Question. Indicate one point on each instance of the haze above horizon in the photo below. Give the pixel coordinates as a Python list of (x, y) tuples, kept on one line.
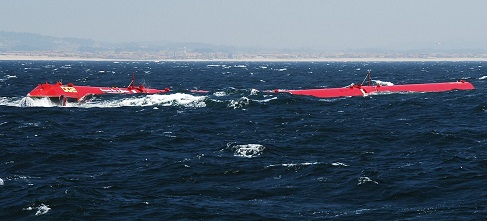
[(311, 24)]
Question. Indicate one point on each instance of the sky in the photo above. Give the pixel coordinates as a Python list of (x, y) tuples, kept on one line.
[(280, 24)]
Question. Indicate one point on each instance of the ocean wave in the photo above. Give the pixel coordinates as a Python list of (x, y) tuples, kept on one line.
[(345, 158)]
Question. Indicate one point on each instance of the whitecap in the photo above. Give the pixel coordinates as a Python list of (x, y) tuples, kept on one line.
[(248, 150), (299, 164), (42, 209), (362, 180), (294, 164), (483, 78), (339, 164), (265, 100), (1, 182)]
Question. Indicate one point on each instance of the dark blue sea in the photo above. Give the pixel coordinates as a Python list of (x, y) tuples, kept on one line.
[(239, 152)]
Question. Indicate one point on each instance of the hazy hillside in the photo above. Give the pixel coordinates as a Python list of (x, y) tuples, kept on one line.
[(12, 41)]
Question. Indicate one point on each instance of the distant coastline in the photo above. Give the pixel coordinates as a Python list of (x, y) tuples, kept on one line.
[(11, 57), (28, 46)]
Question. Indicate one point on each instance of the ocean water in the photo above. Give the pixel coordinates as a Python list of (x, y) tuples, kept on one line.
[(238, 152)]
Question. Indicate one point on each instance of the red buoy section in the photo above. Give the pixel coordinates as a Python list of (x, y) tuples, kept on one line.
[(360, 90), (80, 93)]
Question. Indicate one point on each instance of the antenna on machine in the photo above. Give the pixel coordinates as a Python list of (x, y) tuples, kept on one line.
[(132, 83), (367, 77)]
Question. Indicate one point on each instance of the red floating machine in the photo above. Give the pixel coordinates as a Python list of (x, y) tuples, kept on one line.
[(59, 93), (364, 90)]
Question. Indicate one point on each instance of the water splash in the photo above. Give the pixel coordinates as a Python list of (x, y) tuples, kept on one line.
[(37, 102), (254, 92), (383, 83), (240, 103), (41, 209), (177, 99)]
